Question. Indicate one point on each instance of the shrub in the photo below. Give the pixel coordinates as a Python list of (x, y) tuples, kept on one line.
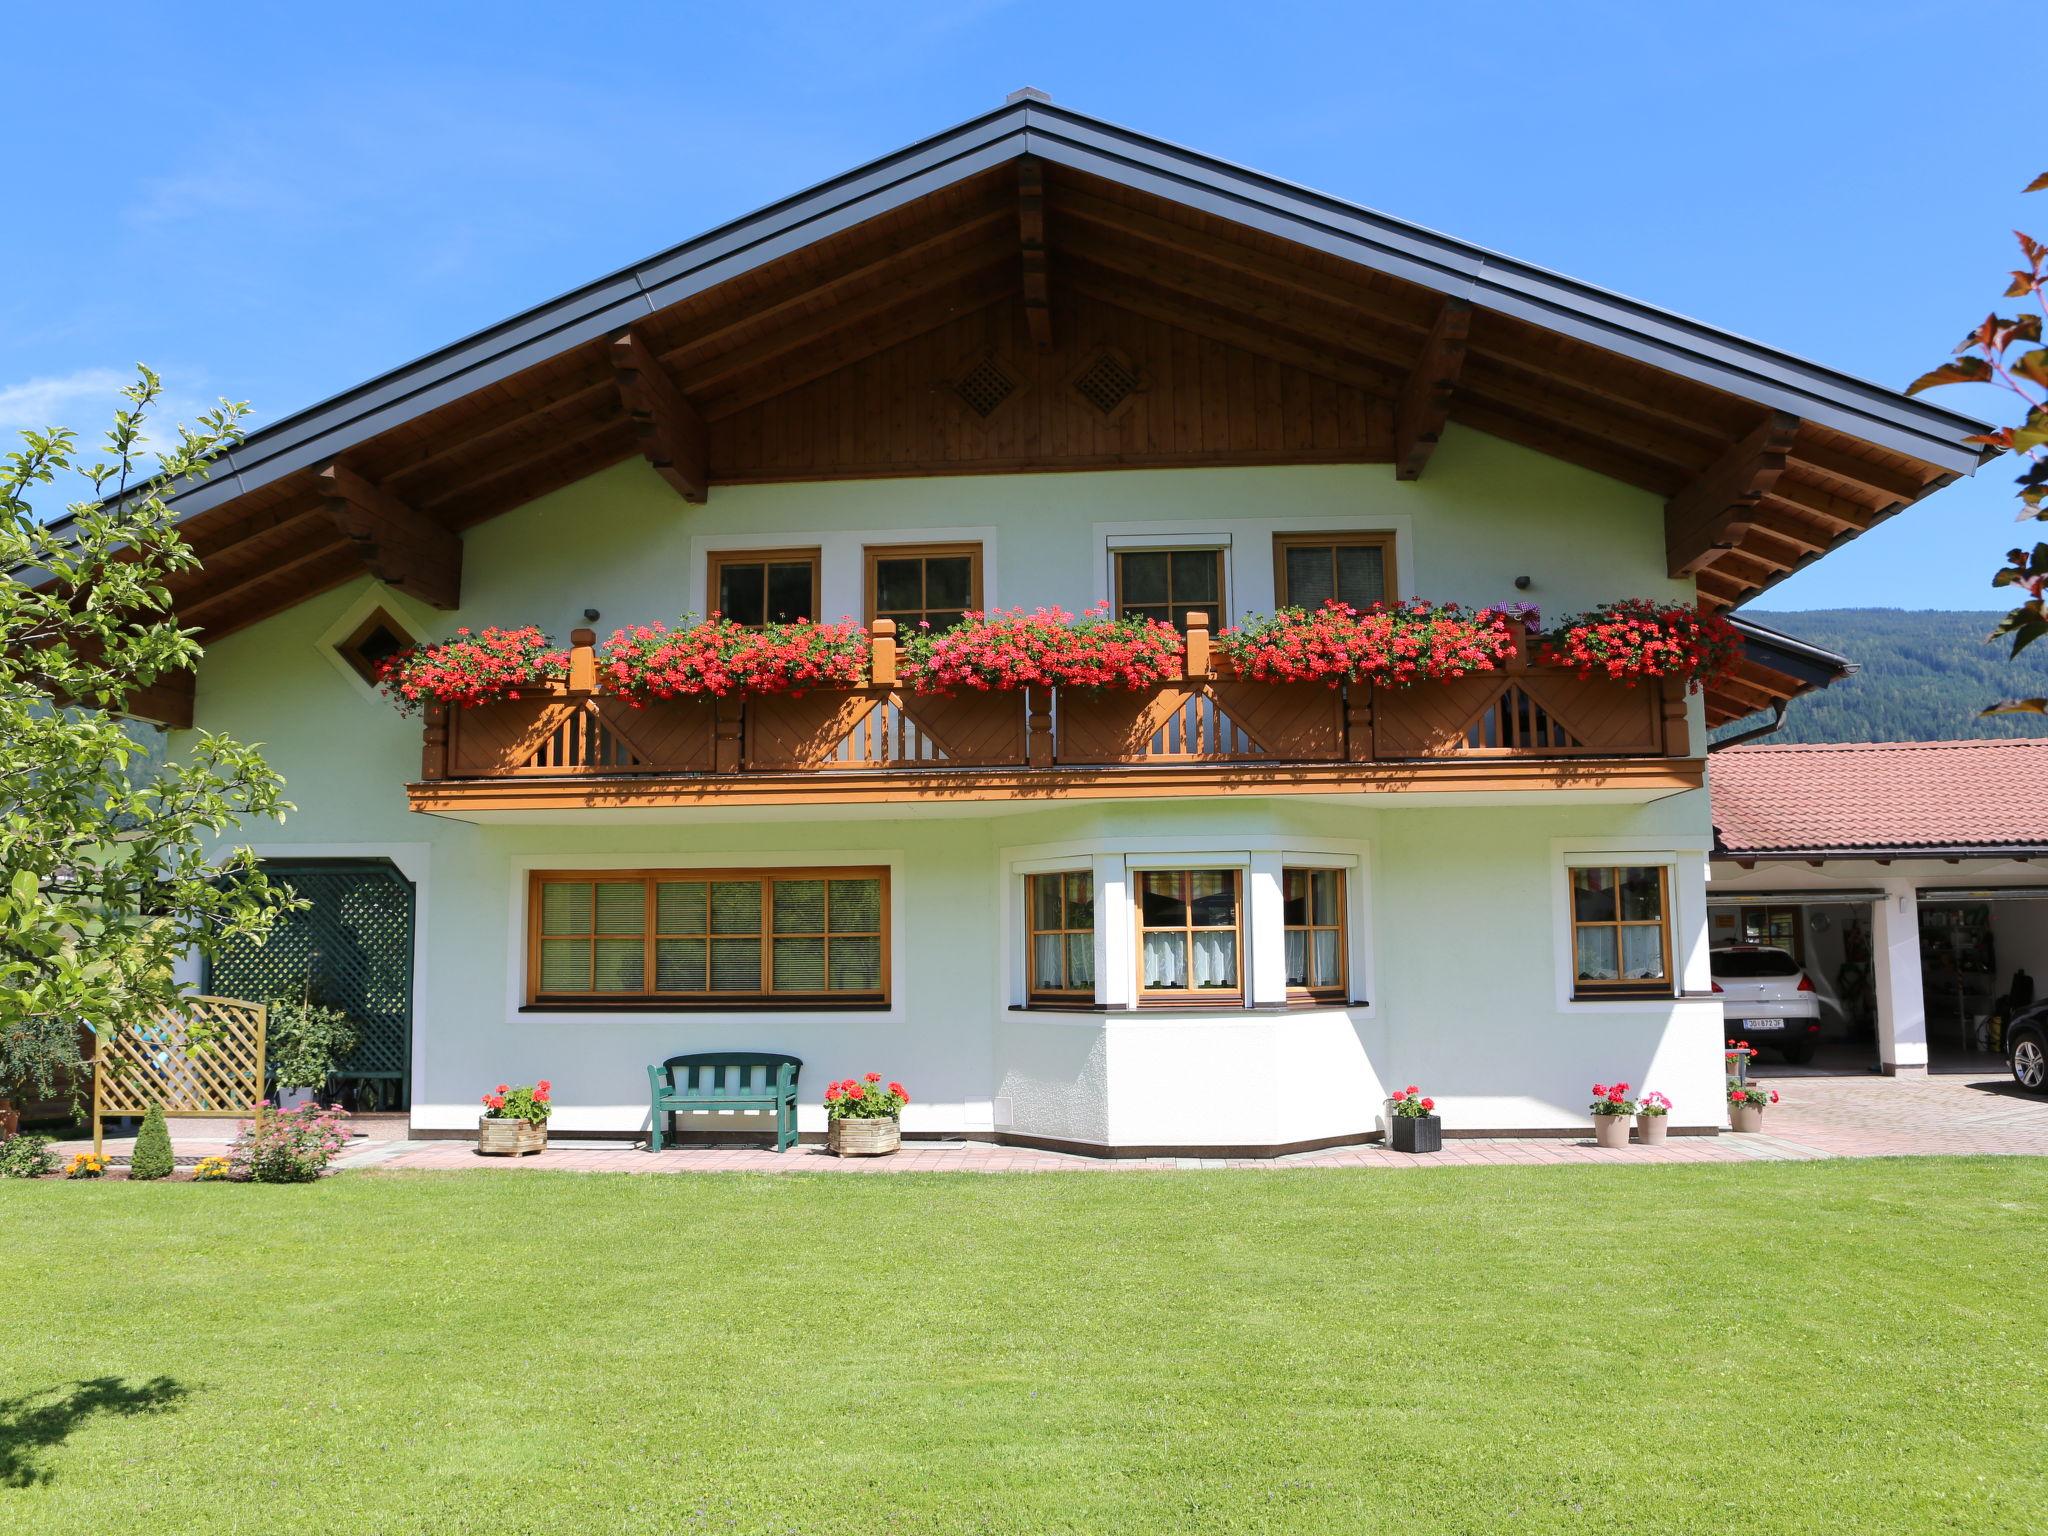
[(1409, 1104), (865, 1098), (152, 1157), (1636, 638), (289, 1146), (1009, 649), (26, 1157), (1389, 647), (305, 1041), (86, 1165), (472, 669), (719, 657), (521, 1103), (1612, 1099)]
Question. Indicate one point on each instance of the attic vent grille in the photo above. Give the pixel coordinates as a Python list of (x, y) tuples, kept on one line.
[(1106, 383), (984, 388)]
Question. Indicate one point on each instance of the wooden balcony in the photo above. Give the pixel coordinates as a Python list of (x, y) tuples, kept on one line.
[(1209, 732)]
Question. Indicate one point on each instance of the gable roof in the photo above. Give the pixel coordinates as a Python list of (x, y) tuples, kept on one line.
[(1907, 797), (1767, 461)]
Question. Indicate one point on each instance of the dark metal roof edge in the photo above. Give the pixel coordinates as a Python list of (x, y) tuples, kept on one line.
[(1793, 657), (1660, 338)]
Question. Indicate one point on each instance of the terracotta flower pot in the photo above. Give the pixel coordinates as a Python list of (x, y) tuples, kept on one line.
[(1611, 1130), (497, 1136), (1651, 1129), (1746, 1118), (850, 1136), (1418, 1133)]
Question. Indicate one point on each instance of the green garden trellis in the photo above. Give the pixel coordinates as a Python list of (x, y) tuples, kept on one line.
[(351, 948)]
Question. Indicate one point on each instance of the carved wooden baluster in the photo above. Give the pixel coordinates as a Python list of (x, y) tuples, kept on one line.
[(726, 733), (1358, 722), (434, 750), (1038, 750), (1677, 729)]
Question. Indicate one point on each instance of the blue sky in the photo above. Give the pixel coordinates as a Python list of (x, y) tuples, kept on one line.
[(278, 208)]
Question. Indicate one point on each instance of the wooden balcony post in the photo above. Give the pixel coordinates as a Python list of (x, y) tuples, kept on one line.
[(882, 655), (1677, 730), (582, 661), (726, 734), (1038, 727), (434, 747), (1518, 638), (1358, 722), (1197, 666)]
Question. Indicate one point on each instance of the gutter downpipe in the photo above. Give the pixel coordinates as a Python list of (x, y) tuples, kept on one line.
[(1775, 722)]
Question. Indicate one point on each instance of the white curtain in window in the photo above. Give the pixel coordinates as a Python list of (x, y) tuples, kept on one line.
[(1215, 960), (1045, 960), (1165, 960), (1297, 958)]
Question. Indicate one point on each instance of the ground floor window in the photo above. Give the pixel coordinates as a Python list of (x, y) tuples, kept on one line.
[(1189, 934), (1621, 931), (711, 938), (1314, 905), (1060, 912)]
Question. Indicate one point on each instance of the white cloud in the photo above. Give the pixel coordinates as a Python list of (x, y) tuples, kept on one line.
[(78, 399)]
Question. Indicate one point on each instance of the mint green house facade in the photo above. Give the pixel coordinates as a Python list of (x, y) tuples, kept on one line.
[(1039, 361)]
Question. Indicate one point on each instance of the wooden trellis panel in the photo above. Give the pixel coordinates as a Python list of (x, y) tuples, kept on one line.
[(1197, 722), (204, 1058), (1522, 714), (553, 736)]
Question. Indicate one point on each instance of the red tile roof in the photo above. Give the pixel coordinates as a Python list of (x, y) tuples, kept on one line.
[(1908, 795)]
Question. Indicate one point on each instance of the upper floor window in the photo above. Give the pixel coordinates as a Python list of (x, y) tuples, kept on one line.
[(1189, 934), (709, 938), (1169, 584), (931, 584), (1621, 931), (775, 586), (1060, 935), (1313, 906), (373, 642), (1311, 569)]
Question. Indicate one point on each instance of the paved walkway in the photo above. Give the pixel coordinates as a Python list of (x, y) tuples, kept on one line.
[(1818, 1117)]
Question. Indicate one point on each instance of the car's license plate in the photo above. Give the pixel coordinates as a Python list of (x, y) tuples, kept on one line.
[(1756, 1025)]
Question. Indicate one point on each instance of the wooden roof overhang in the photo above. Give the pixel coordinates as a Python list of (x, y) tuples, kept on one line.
[(1775, 669), (712, 359)]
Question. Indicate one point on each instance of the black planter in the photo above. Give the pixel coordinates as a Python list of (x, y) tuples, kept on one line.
[(1418, 1133)]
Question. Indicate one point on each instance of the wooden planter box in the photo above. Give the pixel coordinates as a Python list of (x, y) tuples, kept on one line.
[(852, 1137), (497, 1136), (1611, 1130), (1418, 1133)]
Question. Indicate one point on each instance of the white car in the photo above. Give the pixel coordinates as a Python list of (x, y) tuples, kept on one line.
[(1767, 1000)]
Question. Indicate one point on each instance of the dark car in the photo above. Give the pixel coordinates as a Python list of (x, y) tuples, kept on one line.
[(2026, 1047)]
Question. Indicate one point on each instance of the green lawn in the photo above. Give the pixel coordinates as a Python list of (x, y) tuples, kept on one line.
[(1843, 1347)]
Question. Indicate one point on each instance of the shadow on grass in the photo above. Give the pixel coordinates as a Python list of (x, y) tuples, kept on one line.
[(37, 1422)]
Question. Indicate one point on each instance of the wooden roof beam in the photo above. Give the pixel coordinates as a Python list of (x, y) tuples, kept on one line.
[(1710, 516), (670, 431), (1426, 397), (396, 543), (166, 702), (1031, 241), (1888, 485)]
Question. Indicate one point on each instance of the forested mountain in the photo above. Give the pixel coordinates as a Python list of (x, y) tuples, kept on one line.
[(1925, 674)]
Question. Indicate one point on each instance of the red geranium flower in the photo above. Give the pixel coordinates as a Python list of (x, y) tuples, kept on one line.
[(874, 1077)]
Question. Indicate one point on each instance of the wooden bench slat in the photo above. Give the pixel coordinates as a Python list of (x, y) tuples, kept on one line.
[(725, 1080)]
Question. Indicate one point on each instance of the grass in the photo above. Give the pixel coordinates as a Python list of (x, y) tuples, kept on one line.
[(1824, 1347)]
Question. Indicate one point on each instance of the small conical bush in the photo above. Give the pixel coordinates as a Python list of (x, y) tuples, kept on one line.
[(152, 1156)]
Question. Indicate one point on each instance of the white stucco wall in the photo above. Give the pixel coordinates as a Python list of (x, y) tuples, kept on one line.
[(1465, 908)]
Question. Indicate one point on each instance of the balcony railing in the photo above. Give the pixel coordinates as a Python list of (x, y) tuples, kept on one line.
[(1205, 720)]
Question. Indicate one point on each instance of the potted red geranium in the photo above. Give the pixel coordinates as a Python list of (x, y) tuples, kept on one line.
[(472, 669), (1009, 649), (715, 656), (1416, 1125), (1636, 639), (1612, 1110), (515, 1120), (1746, 1105), (863, 1116)]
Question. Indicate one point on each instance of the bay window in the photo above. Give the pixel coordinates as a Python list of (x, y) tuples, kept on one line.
[(1189, 934), (1060, 917)]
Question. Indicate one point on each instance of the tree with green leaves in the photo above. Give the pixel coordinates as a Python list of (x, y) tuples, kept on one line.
[(2007, 351), (109, 874)]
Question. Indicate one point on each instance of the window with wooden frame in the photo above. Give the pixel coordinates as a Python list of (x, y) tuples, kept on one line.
[(373, 642), (1190, 935), (1621, 931), (709, 938), (917, 584), (1169, 584), (1311, 569), (764, 586), (1313, 906), (1059, 919)]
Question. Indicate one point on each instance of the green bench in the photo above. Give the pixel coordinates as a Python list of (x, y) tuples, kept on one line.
[(725, 1080)]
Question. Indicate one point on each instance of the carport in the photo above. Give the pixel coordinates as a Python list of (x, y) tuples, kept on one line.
[(1903, 876)]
